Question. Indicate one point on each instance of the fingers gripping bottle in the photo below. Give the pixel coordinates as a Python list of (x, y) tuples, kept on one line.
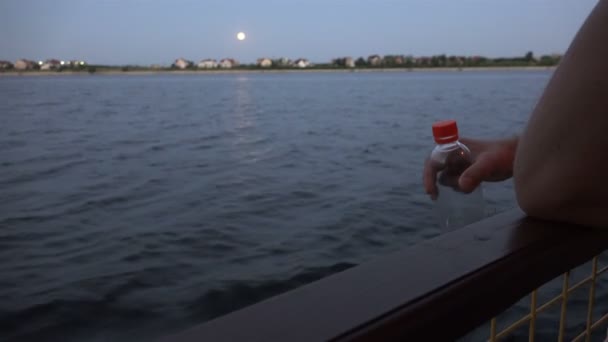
[(450, 158)]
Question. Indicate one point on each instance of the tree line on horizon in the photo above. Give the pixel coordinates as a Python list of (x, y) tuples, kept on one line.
[(452, 61)]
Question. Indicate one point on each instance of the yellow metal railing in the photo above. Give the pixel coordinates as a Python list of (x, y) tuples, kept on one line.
[(535, 309)]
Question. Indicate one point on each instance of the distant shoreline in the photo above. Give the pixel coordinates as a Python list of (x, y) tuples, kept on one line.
[(268, 71)]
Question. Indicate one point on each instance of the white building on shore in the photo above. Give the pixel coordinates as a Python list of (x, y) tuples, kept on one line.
[(23, 64), (182, 63), (302, 63), (207, 64), (228, 63), (265, 62), (349, 62), (51, 64)]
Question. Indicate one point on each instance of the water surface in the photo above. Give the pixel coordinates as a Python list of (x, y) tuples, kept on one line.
[(134, 206)]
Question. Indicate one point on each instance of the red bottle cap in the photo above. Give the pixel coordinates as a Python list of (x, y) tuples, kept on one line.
[(445, 131)]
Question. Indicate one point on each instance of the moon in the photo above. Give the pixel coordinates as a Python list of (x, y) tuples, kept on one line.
[(241, 36)]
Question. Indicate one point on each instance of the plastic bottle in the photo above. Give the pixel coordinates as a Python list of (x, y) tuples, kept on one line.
[(456, 209)]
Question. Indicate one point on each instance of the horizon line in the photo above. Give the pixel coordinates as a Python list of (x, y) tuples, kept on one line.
[(407, 56)]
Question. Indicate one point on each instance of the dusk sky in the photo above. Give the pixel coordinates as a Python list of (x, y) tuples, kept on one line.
[(158, 31)]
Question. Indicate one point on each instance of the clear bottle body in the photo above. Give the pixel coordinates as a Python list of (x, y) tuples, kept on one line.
[(455, 208)]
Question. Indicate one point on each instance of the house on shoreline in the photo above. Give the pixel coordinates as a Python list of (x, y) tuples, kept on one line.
[(302, 63), (76, 63), (228, 63), (374, 60), (51, 64), (182, 63), (264, 62), (349, 62), (283, 62), (207, 64), (24, 64)]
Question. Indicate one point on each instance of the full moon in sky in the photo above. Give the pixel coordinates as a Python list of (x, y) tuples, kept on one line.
[(241, 36)]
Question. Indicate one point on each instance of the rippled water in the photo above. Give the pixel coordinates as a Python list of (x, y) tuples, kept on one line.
[(133, 206)]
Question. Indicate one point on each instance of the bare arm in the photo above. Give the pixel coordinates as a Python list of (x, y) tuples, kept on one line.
[(561, 162)]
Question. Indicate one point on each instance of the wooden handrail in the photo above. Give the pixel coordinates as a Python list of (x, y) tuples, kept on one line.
[(439, 289)]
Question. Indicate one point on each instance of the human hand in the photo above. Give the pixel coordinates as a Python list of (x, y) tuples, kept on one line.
[(492, 162)]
